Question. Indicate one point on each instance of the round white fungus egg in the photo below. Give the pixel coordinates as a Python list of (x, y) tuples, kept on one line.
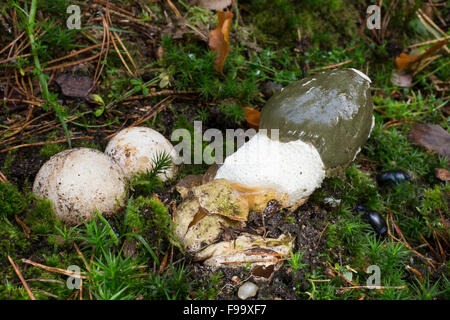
[(78, 181), (135, 150)]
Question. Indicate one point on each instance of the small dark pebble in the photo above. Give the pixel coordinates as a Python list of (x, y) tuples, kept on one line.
[(393, 177)]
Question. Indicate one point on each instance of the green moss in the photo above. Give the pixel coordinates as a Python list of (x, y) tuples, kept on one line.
[(347, 232), (392, 150), (150, 218), (327, 23), (10, 157), (50, 149), (133, 217), (436, 198), (361, 189), (11, 200), (12, 239), (41, 218), (207, 288), (91, 145), (192, 68)]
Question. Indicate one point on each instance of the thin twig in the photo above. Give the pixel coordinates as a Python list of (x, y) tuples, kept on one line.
[(56, 270), (372, 287), (332, 66), (19, 274), (42, 143)]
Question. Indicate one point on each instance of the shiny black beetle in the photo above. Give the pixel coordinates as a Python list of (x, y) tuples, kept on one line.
[(375, 219)]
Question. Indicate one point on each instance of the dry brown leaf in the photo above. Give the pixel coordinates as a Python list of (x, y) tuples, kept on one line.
[(404, 60), (219, 39), (442, 174), (74, 86), (214, 4), (410, 63), (252, 116), (432, 137)]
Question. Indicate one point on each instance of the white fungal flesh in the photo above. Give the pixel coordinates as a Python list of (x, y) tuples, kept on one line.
[(135, 150), (292, 167), (78, 181), (247, 290), (362, 75)]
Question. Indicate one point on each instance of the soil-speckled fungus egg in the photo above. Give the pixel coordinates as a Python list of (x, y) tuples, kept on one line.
[(136, 148), (321, 123), (78, 181)]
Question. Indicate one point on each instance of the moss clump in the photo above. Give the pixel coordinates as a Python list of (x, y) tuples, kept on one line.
[(362, 190), (50, 149), (391, 148), (326, 23), (347, 232), (11, 200), (41, 218), (38, 213), (192, 68), (12, 239), (435, 199), (151, 219), (10, 157)]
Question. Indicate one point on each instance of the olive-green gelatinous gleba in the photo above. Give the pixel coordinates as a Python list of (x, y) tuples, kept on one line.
[(331, 110)]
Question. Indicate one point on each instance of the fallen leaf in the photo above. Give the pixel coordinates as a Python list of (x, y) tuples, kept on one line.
[(432, 137), (263, 256), (74, 86), (219, 39), (214, 4), (410, 63), (252, 116), (403, 61), (442, 174)]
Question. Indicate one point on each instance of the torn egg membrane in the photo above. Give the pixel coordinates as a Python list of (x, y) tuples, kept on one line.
[(208, 208), (264, 255)]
